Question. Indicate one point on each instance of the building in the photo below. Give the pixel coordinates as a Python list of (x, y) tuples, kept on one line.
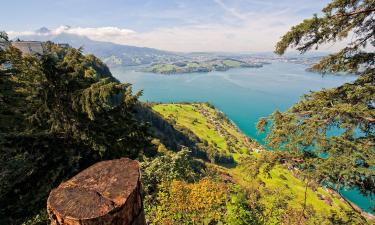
[(29, 47), (26, 47)]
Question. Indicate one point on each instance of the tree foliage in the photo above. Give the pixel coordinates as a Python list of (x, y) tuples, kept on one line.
[(59, 113), (168, 167), (340, 19), (4, 36), (332, 131)]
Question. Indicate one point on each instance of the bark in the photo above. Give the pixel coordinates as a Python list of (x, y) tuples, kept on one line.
[(108, 192)]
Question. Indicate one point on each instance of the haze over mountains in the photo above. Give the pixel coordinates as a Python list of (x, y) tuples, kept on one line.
[(126, 55), (111, 53)]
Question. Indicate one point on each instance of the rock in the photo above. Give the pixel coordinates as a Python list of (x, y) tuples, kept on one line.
[(108, 192)]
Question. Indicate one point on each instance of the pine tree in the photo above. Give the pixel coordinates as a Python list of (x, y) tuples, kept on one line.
[(59, 113), (330, 133)]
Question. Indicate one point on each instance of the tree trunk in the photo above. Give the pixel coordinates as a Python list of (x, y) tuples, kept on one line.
[(108, 192)]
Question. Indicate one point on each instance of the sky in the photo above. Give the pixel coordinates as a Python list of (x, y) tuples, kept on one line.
[(180, 25)]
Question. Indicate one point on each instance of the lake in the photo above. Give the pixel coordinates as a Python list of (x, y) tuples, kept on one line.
[(244, 94)]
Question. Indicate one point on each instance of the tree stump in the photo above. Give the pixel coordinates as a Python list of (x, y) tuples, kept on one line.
[(108, 192)]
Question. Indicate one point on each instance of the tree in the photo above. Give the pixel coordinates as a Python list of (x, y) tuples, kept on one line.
[(330, 133), (59, 113), (4, 36)]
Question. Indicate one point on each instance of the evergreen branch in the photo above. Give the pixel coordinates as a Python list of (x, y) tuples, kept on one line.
[(355, 12)]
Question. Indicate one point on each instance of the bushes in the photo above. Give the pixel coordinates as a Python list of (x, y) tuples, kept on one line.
[(168, 167), (207, 201), (215, 156), (183, 203), (238, 212)]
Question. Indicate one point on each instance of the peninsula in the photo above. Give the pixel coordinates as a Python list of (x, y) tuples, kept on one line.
[(200, 66)]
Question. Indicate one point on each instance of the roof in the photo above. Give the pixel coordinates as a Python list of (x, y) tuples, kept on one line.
[(29, 47)]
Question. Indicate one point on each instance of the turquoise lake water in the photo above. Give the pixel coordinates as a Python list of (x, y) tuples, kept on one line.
[(244, 94)]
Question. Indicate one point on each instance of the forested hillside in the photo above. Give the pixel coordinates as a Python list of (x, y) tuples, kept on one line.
[(59, 113)]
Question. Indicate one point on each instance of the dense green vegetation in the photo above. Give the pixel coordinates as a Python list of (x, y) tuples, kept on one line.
[(59, 113), (331, 132), (256, 188), (193, 67), (63, 111), (211, 127)]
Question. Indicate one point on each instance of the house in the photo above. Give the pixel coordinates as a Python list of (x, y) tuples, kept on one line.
[(29, 47)]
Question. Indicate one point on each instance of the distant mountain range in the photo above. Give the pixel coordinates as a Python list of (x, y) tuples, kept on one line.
[(111, 53), (124, 55)]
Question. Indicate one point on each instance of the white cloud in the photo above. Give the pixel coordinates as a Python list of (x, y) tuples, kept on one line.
[(209, 37), (254, 33), (97, 33), (216, 25), (237, 31), (14, 34)]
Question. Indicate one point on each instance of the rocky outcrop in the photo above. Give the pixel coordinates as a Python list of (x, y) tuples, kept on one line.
[(108, 192)]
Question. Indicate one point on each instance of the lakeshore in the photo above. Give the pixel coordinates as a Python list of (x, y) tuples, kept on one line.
[(243, 94)]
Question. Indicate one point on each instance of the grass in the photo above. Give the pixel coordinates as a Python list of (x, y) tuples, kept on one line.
[(206, 127), (232, 63), (188, 116), (167, 68), (296, 187), (193, 65), (203, 122), (163, 68)]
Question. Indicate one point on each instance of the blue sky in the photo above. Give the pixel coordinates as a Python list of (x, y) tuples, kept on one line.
[(181, 25)]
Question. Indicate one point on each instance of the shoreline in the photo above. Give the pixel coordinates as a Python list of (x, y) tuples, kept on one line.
[(369, 216)]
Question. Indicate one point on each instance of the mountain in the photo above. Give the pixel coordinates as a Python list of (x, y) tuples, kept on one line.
[(112, 54), (43, 30), (115, 54)]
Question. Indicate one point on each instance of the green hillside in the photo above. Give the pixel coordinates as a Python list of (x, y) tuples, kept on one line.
[(194, 67), (278, 192), (209, 125)]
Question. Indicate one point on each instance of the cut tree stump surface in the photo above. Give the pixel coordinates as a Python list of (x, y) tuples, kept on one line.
[(108, 192)]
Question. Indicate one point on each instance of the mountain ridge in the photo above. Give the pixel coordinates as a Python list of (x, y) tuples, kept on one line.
[(111, 53)]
